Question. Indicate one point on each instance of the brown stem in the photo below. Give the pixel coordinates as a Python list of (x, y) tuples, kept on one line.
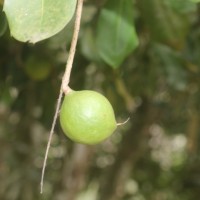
[(122, 90), (74, 172), (66, 77), (193, 128), (65, 81)]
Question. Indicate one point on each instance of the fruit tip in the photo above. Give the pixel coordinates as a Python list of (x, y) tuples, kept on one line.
[(122, 123)]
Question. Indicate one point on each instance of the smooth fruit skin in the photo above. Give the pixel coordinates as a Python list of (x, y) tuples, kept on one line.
[(87, 117)]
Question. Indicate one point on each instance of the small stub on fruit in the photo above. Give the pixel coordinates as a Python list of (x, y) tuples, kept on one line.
[(122, 123)]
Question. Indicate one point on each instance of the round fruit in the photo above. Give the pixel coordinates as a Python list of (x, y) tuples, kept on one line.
[(37, 69), (87, 117)]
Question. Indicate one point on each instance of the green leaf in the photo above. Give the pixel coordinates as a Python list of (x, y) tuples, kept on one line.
[(196, 1), (172, 64), (165, 23), (88, 45), (36, 20), (182, 7), (116, 36)]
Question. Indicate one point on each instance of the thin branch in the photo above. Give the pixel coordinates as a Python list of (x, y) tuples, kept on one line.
[(50, 138), (66, 77), (65, 82)]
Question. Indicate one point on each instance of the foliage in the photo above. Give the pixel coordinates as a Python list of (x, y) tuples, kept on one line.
[(37, 20), (117, 41), (155, 155)]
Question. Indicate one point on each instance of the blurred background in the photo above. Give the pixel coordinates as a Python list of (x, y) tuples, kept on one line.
[(155, 156)]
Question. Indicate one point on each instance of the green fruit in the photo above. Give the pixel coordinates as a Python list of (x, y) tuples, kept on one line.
[(87, 117), (37, 69)]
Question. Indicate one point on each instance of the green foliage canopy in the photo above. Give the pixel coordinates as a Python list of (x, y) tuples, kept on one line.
[(155, 155)]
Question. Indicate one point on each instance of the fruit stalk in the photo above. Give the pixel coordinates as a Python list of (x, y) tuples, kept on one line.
[(65, 81), (66, 77)]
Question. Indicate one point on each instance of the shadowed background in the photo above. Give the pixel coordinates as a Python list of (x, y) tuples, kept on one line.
[(155, 156)]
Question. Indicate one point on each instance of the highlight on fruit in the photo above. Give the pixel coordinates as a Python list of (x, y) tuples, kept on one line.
[(87, 117)]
